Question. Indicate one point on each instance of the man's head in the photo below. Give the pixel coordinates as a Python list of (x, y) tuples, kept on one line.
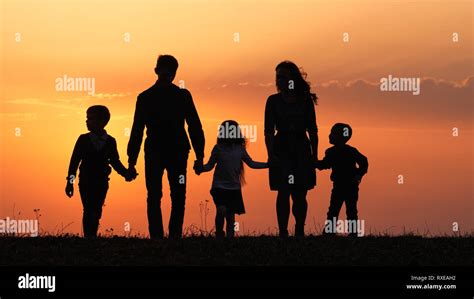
[(166, 67), (340, 134), (97, 118)]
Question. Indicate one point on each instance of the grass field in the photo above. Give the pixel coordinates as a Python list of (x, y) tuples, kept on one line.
[(247, 251)]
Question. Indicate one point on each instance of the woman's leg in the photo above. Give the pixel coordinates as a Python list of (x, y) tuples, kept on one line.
[(283, 211), (220, 215), (300, 208)]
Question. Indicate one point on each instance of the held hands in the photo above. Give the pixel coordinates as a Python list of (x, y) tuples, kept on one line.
[(318, 165), (198, 166), (131, 173)]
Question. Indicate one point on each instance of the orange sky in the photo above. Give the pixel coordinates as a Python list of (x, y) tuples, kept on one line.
[(400, 133)]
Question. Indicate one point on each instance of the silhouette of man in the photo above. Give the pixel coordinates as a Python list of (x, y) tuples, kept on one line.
[(163, 109)]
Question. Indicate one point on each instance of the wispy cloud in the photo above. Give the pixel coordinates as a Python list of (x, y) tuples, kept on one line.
[(27, 116), (40, 102), (111, 95)]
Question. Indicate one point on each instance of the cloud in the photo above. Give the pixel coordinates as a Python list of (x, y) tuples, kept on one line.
[(26, 116), (40, 102), (111, 95), (440, 102), (75, 104)]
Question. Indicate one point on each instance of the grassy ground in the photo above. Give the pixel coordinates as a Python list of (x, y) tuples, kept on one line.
[(248, 251)]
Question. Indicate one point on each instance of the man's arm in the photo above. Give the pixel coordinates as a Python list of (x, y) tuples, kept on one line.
[(194, 126), (136, 136)]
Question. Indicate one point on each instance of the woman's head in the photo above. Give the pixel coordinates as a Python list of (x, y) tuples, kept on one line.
[(289, 78)]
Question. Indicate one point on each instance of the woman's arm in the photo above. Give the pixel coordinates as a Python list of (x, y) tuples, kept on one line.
[(269, 125), (312, 129)]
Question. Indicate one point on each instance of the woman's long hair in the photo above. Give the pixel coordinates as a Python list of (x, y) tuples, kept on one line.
[(224, 139), (302, 87)]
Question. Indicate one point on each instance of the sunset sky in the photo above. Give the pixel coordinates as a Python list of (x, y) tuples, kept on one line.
[(117, 43)]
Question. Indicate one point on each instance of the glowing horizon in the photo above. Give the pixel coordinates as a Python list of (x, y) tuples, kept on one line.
[(117, 43)]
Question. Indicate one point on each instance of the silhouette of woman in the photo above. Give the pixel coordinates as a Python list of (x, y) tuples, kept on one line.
[(291, 114)]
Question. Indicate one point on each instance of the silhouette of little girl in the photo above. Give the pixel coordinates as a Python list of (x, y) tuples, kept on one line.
[(228, 154)]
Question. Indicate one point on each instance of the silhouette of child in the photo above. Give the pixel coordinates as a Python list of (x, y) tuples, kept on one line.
[(346, 176), (94, 152), (228, 154)]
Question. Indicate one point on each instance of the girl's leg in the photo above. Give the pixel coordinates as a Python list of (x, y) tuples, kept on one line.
[(220, 215), (283, 211), (300, 208), (230, 220)]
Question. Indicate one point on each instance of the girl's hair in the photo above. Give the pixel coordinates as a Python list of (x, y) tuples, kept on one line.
[(230, 134), (301, 86)]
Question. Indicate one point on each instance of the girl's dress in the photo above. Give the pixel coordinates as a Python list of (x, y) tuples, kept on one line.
[(226, 185)]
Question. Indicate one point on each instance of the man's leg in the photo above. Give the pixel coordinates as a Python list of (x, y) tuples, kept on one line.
[(176, 168), (153, 176)]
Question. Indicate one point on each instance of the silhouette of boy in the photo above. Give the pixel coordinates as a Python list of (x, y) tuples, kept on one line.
[(343, 159), (94, 152)]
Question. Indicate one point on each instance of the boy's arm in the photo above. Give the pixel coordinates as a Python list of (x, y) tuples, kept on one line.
[(363, 164), (76, 158), (114, 160), (325, 163), (251, 163)]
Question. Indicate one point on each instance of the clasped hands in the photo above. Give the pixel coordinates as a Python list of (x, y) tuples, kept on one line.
[(198, 166), (131, 173)]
